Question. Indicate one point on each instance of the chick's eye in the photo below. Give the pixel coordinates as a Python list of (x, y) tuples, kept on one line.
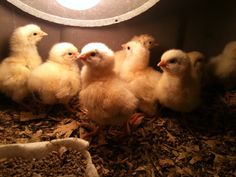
[(69, 53), (150, 42), (128, 48), (200, 60), (93, 54), (173, 61), (35, 34)]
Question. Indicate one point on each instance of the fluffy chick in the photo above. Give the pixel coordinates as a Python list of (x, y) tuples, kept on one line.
[(198, 62), (58, 79), (146, 40), (24, 57), (177, 88), (223, 66), (141, 78), (103, 94)]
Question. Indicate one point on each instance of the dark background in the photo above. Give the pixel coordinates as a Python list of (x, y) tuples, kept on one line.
[(203, 25)]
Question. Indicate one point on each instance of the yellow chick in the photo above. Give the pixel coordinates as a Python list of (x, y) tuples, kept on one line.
[(146, 40), (24, 57), (223, 66), (104, 95), (177, 88), (58, 79), (141, 78)]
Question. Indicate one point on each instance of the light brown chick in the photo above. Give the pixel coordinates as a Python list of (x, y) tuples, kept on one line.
[(177, 88), (58, 79), (104, 95), (146, 40), (24, 57), (198, 61), (141, 78), (223, 66)]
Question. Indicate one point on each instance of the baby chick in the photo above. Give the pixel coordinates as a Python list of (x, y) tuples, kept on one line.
[(24, 57), (198, 62), (103, 94), (146, 40), (177, 88), (223, 66), (141, 78), (58, 79)]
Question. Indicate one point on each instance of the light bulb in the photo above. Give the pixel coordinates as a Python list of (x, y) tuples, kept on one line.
[(78, 4)]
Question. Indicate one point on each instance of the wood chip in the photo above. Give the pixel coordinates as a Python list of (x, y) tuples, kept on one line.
[(166, 162), (195, 159), (66, 130), (27, 116)]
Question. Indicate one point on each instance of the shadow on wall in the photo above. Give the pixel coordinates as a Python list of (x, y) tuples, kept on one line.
[(209, 26)]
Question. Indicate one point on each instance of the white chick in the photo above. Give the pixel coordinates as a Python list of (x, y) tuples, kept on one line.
[(104, 95), (223, 66), (141, 78), (177, 88), (146, 40), (58, 79), (24, 57)]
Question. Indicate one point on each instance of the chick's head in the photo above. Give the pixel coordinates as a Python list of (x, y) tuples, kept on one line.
[(230, 50), (97, 56), (64, 53), (197, 59), (146, 40), (27, 35), (137, 54), (175, 62)]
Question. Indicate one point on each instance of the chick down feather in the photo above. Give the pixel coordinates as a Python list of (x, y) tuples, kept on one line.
[(141, 78), (104, 94), (146, 40), (178, 89), (223, 66), (24, 57), (58, 79)]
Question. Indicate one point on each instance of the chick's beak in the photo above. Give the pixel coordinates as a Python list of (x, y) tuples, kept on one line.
[(123, 46), (161, 64), (83, 56), (76, 54), (43, 33), (156, 44)]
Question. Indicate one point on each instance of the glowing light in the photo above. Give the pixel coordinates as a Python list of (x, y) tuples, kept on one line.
[(78, 4)]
